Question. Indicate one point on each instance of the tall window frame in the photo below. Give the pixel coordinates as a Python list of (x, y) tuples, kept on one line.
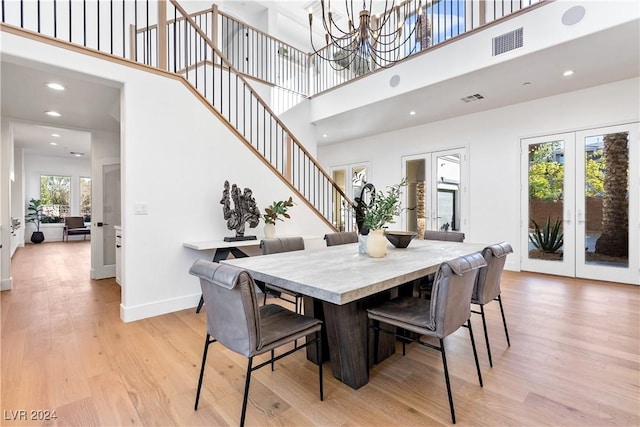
[(85, 198), (55, 194)]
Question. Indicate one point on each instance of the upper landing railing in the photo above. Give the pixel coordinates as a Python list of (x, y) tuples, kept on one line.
[(299, 74), (174, 42)]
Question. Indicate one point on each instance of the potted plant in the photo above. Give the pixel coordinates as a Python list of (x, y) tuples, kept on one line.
[(380, 213), (34, 215), (273, 213)]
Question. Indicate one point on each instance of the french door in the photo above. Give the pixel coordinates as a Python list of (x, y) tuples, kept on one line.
[(436, 193), (351, 179), (580, 204)]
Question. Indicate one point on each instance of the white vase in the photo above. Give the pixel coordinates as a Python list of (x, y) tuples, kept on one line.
[(376, 244), (269, 231)]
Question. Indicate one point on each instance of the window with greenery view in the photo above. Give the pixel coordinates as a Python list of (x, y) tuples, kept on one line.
[(85, 198), (55, 194)]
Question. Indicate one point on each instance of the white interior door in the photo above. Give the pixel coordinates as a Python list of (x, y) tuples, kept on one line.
[(106, 214)]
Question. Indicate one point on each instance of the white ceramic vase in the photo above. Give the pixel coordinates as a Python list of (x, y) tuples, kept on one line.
[(269, 231), (376, 244)]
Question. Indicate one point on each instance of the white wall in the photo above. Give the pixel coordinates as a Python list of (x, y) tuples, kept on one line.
[(37, 165), (175, 157), (17, 205), (6, 144), (492, 139)]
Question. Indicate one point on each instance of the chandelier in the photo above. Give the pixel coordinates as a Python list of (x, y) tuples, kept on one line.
[(371, 40)]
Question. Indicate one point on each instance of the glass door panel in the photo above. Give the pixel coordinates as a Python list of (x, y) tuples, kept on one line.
[(415, 212), (547, 205), (607, 204), (447, 180)]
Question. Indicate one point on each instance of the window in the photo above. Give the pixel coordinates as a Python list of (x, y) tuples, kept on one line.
[(85, 198), (55, 193)]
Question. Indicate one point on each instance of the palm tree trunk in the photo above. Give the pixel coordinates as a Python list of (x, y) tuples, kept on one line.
[(614, 240)]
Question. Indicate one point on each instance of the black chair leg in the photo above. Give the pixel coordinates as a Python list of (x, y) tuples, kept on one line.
[(200, 304), (475, 353), (204, 361), (319, 356), (273, 363), (446, 379), (504, 320), (246, 392), (486, 335)]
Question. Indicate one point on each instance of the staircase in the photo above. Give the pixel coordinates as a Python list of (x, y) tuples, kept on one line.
[(163, 35)]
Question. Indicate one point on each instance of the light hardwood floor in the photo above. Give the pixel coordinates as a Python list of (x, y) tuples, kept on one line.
[(574, 360)]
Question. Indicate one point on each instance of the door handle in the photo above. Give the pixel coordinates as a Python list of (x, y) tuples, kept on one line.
[(100, 224)]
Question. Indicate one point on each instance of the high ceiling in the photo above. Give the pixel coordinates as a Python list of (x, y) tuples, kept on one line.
[(89, 104)]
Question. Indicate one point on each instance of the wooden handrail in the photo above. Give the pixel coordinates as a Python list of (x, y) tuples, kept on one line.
[(259, 99)]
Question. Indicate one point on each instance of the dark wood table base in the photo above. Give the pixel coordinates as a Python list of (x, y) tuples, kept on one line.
[(346, 332)]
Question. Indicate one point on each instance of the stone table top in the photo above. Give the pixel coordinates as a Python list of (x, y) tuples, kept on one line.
[(340, 275)]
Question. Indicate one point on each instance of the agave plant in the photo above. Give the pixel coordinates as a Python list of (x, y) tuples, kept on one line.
[(548, 239)]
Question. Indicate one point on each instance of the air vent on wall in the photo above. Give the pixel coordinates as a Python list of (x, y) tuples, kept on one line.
[(508, 41), (471, 98)]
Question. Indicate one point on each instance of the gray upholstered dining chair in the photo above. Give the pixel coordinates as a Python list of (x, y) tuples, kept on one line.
[(438, 317), (425, 284), (235, 320), (274, 246), (341, 238), (449, 236), (487, 286)]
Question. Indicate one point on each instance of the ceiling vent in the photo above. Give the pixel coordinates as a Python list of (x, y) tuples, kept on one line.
[(508, 41), (472, 98)]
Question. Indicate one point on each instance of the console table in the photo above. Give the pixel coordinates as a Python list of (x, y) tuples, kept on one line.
[(222, 250)]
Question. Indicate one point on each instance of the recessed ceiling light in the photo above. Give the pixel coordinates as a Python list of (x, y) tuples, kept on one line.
[(568, 73), (412, 113), (55, 135), (53, 113), (526, 83), (53, 143), (55, 86), (324, 135), (77, 154)]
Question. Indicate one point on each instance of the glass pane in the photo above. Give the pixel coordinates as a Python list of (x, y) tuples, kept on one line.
[(448, 176), (546, 202), (55, 194), (339, 176), (85, 198), (111, 213), (416, 196), (607, 199)]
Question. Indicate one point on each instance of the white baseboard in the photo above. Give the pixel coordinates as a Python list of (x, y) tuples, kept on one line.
[(512, 265), (143, 311)]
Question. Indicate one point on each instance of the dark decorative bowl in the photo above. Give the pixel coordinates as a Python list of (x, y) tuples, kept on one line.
[(400, 239)]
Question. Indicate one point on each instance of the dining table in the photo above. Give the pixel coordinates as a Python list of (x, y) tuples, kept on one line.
[(340, 284)]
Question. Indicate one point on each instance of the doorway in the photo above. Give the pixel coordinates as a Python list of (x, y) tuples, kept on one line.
[(435, 195), (351, 180), (579, 206)]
